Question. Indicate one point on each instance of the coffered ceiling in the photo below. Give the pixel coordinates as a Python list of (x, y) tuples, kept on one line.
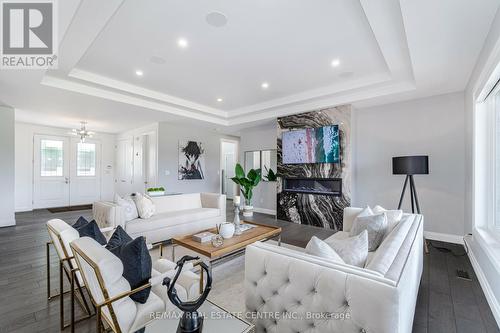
[(125, 63)]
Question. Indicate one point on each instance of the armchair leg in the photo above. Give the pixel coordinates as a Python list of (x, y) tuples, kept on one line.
[(61, 292), (72, 302), (47, 246), (98, 319)]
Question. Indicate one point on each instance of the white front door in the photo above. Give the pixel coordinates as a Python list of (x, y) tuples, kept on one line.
[(51, 171), (85, 171)]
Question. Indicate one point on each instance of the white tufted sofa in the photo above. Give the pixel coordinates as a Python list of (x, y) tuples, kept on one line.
[(289, 291)]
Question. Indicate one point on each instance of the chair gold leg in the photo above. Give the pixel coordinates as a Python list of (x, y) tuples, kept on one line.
[(61, 292), (72, 302), (98, 319), (48, 269)]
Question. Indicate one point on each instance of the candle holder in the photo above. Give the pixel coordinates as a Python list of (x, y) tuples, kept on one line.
[(236, 221)]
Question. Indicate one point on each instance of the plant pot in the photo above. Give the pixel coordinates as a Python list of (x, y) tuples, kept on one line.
[(226, 230), (156, 193), (248, 211)]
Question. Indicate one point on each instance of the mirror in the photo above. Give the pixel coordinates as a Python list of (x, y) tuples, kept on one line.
[(252, 160), (266, 160)]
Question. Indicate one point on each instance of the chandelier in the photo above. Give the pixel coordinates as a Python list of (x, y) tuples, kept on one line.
[(83, 133)]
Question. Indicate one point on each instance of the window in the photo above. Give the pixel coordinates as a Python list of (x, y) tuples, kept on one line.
[(52, 164), (85, 159)]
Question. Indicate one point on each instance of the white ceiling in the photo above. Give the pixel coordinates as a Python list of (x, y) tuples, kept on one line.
[(388, 50)]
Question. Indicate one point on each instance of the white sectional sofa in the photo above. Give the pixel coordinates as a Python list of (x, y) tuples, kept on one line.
[(379, 298), (176, 215)]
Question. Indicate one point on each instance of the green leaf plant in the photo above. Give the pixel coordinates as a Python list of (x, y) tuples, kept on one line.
[(246, 183)]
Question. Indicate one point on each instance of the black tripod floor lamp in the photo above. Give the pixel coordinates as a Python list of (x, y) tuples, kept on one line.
[(410, 166)]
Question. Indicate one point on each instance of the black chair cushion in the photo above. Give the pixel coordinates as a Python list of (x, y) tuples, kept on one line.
[(91, 229), (137, 265), (118, 238)]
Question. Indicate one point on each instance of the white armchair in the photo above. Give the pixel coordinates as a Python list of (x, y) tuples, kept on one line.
[(61, 235), (109, 290)]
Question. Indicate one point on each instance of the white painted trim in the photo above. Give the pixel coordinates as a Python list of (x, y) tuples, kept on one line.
[(448, 238), (24, 209), (488, 292), (10, 223), (264, 211)]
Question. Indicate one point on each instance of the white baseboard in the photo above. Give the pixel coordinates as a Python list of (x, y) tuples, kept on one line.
[(264, 211), (23, 209), (448, 238), (490, 296)]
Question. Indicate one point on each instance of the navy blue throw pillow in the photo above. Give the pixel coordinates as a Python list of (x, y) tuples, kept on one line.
[(80, 222), (91, 230), (137, 266), (118, 238)]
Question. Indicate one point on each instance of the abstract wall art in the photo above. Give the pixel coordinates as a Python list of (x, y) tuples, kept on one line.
[(191, 160)]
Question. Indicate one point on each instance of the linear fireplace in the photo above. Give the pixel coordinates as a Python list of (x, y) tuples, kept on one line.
[(321, 186)]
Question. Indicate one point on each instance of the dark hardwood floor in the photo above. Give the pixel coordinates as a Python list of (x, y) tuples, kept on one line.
[(445, 303)]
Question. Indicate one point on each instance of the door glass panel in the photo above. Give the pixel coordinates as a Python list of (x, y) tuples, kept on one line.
[(85, 159), (51, 152)]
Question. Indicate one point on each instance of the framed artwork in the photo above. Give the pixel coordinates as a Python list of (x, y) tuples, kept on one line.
[(191, 160)]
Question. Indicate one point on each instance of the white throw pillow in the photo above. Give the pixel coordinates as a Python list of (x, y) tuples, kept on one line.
[(145, 205), (393, 216), (353, 250), (365, 212), (317, 247), (129, 209), (375, 225)]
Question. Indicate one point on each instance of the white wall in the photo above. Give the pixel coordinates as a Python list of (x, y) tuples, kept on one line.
[(261, 138), (7, 166), (168, 158), (431, 126), (24, 162)]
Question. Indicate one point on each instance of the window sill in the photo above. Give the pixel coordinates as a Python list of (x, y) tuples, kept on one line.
[(490, 243)]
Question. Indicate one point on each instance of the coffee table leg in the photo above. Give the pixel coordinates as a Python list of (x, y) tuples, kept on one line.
[(202, 278), (279, 240), (173, 252)]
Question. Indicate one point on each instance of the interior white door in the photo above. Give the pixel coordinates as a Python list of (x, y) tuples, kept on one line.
[(124, 165), (51, 171), (85, 171), (230, 163)]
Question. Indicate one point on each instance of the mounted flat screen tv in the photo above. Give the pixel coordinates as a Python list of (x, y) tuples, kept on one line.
[(311, 145)]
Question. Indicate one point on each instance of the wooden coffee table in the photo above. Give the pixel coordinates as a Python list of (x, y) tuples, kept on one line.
[(231, 246)]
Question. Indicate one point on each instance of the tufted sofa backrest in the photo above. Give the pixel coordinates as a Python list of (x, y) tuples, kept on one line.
[(289, 291)]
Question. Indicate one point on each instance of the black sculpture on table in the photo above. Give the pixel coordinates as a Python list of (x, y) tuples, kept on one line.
[(191, 321)]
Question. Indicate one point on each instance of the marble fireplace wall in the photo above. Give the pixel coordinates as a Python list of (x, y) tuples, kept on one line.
[(312, 209)]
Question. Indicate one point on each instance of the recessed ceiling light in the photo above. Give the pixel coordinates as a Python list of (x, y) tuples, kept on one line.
[(157, 60), (139, 72), (216, 19), (182, 42), (264, 85), (335, 62), (219, 99)]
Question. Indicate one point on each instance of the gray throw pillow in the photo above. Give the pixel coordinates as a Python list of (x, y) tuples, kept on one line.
[(375, 225), (320, 248), (353, 250)]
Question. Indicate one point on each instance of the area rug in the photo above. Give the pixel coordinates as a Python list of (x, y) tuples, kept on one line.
[(228, 287)]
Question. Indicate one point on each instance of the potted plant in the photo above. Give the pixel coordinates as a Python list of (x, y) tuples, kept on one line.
[(156, 191), (271, 176), (247, 184)]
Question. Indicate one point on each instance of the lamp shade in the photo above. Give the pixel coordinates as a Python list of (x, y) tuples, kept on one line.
[(410, 165)]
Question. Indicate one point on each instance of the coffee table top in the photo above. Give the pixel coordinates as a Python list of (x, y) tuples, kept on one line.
[(216, 320), (236, 243)]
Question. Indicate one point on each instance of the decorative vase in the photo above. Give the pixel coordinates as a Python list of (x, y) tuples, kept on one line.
[(248, 211), (226, 230)]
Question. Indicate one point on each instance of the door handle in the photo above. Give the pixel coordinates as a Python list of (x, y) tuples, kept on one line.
[(66, 180)]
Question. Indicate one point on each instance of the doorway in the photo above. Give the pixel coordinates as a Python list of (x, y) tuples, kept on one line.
[(229, 158), (66, 172)]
